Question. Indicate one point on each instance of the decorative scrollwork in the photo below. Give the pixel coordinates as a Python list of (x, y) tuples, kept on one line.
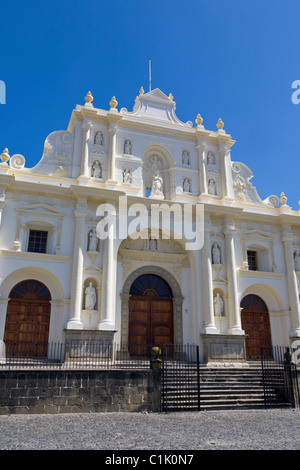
[(17, 162)]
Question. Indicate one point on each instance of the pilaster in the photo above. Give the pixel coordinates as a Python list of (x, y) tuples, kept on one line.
[(77, 268), (287, 240), (234, 317), (207, 285)]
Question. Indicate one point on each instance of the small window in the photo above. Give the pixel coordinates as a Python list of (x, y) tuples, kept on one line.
[(252, 260), (37, 241)]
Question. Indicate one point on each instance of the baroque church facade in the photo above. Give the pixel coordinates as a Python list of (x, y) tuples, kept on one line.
[(60, 280)]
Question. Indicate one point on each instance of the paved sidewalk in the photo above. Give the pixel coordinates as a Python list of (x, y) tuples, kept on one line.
[(231, 430)]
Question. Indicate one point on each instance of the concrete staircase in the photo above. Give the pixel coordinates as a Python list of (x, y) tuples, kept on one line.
[(221, 388)]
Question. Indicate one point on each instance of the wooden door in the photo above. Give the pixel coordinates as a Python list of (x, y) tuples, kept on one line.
[(150, 321), (256, 324), (28, 320)]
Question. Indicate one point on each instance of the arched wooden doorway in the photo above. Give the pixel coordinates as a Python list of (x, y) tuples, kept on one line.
[(256, 324), (150, 312), (28, 319)]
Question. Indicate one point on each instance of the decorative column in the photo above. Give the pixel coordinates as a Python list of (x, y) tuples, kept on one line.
[(77, 270), (225, 161), (207, 290), (86, 131), (112, 131), (292, 284), (201, 147), (234, 317), (108, 282)]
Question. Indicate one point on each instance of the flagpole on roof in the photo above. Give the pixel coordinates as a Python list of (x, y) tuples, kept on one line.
[(149, 74)]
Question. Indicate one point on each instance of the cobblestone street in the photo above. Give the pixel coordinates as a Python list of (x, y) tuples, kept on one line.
[(231, 430)]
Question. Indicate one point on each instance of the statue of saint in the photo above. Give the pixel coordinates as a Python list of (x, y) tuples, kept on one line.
[(93, 240), (98, 138), (127, 147), (127, 176), (90, 297), (97, 169), (157, 186), (186, 185), (218, 305), (216, 254), (212, 187), (152, 244)]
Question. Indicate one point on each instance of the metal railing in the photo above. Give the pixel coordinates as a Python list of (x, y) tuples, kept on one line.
[(75, 354)]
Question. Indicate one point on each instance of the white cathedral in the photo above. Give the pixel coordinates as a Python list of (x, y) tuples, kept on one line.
[(60, 280)]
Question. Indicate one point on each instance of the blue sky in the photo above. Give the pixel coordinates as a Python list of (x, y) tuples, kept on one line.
[(235, 60)]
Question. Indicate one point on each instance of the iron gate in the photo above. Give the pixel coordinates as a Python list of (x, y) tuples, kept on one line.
[(280, 379), (180, 378)]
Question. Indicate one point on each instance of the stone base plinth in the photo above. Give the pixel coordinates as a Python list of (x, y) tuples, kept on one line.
[(223, 348), (89, 343)]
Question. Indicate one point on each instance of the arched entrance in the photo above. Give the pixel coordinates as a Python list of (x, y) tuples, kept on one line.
[(256, 324), (28, 319), (150, 311)]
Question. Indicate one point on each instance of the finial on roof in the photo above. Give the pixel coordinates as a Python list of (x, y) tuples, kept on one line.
[(141, 91), (113, 103), (283, 199), (89, 97), (5, 156), (171, 96), (220, 124), (198, 120)]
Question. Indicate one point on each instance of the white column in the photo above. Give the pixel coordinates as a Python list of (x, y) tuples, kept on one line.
[(77, 271), (292, 285), (201, 147), (112, 131), (207, 286), (225, 162), (108, 294), (234, 316), (86, 130)]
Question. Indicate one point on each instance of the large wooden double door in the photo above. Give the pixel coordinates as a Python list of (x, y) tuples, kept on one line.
[(150, 312), (256, 324), (150, 321), (28, 319)]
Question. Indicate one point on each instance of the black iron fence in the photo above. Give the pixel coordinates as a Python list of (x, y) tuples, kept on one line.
[(75, 354), (280, 377)]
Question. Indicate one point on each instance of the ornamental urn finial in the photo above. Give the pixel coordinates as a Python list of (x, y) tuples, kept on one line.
[(89, 97), (5, 156), (113, 103), (220, 124), (198, 120), (141, 91), (283, 199)]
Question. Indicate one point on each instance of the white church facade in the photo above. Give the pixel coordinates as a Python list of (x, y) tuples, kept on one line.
[(143, 284)]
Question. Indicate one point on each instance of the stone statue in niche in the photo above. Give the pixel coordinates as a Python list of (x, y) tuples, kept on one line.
[(98, 140), (186, 158), (127, 176), (97, 169), (297, 261), (211, 158), (128, 147), (187, 185), (152, 244), (212, 187), (93, 240), (216, 254), (219, 305), (90, 297), (157, 186)]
